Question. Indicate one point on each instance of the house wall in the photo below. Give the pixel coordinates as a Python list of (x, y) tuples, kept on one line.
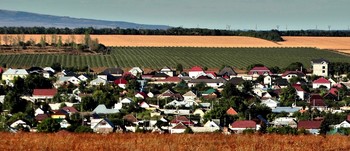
[(12, 76), (320, 69), (267, 80), (194, 74), (177, 131), (316, 85), (58, 116), (301, 94), (169, 73)]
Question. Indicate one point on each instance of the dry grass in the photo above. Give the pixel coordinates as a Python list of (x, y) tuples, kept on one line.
[(341, 44), (200, 142)]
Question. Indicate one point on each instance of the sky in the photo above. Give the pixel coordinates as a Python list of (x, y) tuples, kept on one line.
[(214, 14)]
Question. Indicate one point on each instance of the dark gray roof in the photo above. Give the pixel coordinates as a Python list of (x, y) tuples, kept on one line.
[(227, 71), (236, 81), (113, 71), (320, 60), (220, 80)]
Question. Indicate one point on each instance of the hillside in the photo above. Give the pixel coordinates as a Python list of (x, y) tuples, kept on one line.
[(26, 19)]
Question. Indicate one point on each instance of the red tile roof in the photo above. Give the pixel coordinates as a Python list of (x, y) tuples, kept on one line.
[(260, 70), (333, 91), (297, 87), (41, 117), (171, 79), (60, 112), (231, 111), (316, 100), (70, 109), (120, 81), (182, 119), (45, 92), (180, 126), (196, 69), (321, 80), (244, 124), (211, 72), (309, 124), (130, 118)]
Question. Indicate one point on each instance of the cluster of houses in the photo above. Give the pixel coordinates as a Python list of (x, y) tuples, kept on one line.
[(180, 109)]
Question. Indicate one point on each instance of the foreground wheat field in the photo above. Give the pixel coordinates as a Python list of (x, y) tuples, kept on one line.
[(164, 142), (335, 43)]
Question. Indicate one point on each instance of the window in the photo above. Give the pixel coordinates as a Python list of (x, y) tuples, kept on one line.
[(323, 67), (323, 71)]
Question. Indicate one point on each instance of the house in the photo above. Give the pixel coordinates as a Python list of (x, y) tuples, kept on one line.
[(103, 126), (231, 111), (121, 83), (181, 119), (214, 83), (141, 95), (195, 72), (70, 110), (49, 69), (290, 74), (41, 117), (210, 94), (38, 111), (102, 109), (59, 114), (257, 71), (311, 126), (19, 123), (199, 112), (344, 124), (178, 128), (130, 119), (289, 110), (64, 123), (300, 91), (135, 71), (169, 94), (237, 81), (321, 82), (240, 126), (285, 121), (168, 80), (208, 127), (144, 105), (210, 74), (117, 72), (168, 71), (317, 101), (320, 67), (83, 77), (267, 80), (44, 94), (227, 71), (189, 95), (10, 74), (98, 81), (270, 103), (47, 74), (71, 79)]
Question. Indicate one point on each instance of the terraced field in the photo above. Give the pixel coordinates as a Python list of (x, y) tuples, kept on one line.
[(156, 57)]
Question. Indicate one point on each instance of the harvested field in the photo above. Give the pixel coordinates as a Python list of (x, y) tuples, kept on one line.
[(164, 142)]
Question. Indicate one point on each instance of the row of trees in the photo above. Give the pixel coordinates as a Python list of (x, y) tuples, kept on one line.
[(272, 35)]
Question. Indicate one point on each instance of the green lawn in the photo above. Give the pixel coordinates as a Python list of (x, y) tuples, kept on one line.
[(154, 57)]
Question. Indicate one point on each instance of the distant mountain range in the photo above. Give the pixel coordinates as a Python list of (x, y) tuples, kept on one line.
[(26, 19)]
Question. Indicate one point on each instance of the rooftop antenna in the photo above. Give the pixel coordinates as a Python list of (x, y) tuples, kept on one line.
[(277, 27), (316, 27), (256, 27), (329, 27), (286, 27)]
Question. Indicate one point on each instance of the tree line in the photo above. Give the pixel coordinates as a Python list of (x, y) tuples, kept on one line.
[(272, 35), (317, 33)]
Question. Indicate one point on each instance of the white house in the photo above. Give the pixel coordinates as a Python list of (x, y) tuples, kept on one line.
[(64, 123), (49, 69), (208, 127), (240, 126), (98, 81), (344, 124), (83, 77), (179, 128), (321, 82), (168, 71), (18, 123), (267, 80), (38, 111), (103, 126), (189, 95), (10, 74), (195, 72), (300, 91), (290, 74), (136, 71), (71, 79), (320, 67), (270, 103), (285, 121)]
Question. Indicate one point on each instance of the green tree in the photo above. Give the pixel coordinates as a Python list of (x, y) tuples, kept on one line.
[(14, 103), (88, 103), (229, 90), (179, 68), (288, 95), (43, 41), (83, 129), (48, 125), (59, 43)]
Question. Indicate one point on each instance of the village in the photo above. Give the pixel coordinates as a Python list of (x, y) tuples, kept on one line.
[(176, 101)]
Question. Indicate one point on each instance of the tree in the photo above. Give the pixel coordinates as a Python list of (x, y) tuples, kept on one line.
[(59, 43), (87, 39), (43, 41), (56, 66), (48, 125), (83, 129), (229, 90), (179, 68), (88, 103), (288, 95), (14, 103), (295, 66)]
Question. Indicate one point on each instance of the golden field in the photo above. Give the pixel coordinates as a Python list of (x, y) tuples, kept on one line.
[(164, 142), (341, 44)]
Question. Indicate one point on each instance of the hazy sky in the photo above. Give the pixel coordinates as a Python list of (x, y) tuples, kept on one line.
[(239, 14)]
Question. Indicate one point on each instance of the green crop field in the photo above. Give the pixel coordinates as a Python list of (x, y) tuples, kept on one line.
[(154, 57)]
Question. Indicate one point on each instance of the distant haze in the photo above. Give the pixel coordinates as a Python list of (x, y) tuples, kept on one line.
[(219, 14)]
